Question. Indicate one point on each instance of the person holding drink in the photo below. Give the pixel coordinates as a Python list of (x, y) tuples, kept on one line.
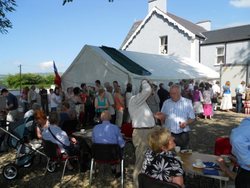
[(177, 114)]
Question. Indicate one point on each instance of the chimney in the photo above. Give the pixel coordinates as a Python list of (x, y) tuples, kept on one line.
[(205, 24), (160, 4)]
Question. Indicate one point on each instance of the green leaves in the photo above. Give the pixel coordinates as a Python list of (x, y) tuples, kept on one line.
[(66, 1), (6, 6), (13, 81)]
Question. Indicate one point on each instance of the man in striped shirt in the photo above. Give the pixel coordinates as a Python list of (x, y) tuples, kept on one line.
[(178, 114)]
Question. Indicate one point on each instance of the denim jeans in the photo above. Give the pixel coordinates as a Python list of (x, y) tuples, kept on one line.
[(238, 103)]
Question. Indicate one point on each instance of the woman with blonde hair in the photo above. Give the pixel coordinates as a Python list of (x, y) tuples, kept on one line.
[(159, 162), (101, 102), (226, 102)]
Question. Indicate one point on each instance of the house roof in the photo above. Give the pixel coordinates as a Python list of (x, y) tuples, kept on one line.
[(181, 23), (197, 30), (232, 34)]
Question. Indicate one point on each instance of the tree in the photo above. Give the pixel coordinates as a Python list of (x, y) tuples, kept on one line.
[(6, 6), (13, 81)]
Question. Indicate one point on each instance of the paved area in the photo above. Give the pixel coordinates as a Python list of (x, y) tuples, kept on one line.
[(203, 135)]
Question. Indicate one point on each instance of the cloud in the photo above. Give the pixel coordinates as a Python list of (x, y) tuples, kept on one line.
[(47, 65), (240, 3)]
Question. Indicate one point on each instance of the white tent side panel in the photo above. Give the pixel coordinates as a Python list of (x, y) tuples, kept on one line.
[(89, 66)]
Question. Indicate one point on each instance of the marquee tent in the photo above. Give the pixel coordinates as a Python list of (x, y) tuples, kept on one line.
[(108, 64)]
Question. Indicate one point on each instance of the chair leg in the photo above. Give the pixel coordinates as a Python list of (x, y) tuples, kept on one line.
[(91, 171), (64, 167), (122, 173), (47, 165), (79, 166)]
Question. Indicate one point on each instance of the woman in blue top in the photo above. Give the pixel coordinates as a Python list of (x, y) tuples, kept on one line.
[(226, 103)]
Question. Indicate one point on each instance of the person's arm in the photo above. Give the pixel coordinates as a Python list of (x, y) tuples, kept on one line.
[(161, 116), (225, 169), (185, 123), (142, 96), (178, 180), (38, 133), (120, 139), (96, 103), (73, 140)]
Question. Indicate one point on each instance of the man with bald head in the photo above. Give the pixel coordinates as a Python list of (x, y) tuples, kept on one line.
[(106, 132), (177, 114)]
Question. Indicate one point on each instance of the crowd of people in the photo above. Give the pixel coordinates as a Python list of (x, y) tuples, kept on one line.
[(160, 118)]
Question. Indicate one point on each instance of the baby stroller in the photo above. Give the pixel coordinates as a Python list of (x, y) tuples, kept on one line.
[(18, 136)]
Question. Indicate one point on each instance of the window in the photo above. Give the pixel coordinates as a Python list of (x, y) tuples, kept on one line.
[(164, 45), (220, 55)]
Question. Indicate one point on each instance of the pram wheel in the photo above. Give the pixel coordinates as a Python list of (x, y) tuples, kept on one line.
[(52, 166), (10, 171)]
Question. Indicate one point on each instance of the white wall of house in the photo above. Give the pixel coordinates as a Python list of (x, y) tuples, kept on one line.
[(208, 56), (238, 52), (148, 41), (235, 52)]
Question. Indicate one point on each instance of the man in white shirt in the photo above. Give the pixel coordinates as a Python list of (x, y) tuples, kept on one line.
[(142, 122), (177, 114), (216, 94)]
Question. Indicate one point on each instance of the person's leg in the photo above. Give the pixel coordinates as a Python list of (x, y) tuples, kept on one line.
[(112, 118), (182, 140), (238, 103), (185, 140), (119, 117), (140, 141)]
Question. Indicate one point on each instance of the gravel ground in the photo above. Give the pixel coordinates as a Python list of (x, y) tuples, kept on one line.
[(203, 135)]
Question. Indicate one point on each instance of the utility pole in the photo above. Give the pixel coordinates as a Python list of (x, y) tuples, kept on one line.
[(20, 77)]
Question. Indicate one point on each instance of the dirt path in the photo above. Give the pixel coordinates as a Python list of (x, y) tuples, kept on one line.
[(203, 135)]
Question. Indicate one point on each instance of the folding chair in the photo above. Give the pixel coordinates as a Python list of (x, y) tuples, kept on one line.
[(106, 154), (147, 182), (54, 155), (222, 146)]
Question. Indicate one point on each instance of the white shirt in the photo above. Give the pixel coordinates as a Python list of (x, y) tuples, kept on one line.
[(55, 100), (177, 112), (128, 97), (216, 89), (140, 113)]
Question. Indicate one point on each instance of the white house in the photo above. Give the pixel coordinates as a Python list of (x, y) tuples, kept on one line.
[(226, 50), (161, 32)]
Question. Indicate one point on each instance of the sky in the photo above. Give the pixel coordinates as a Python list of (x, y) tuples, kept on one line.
[(45, 31)]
